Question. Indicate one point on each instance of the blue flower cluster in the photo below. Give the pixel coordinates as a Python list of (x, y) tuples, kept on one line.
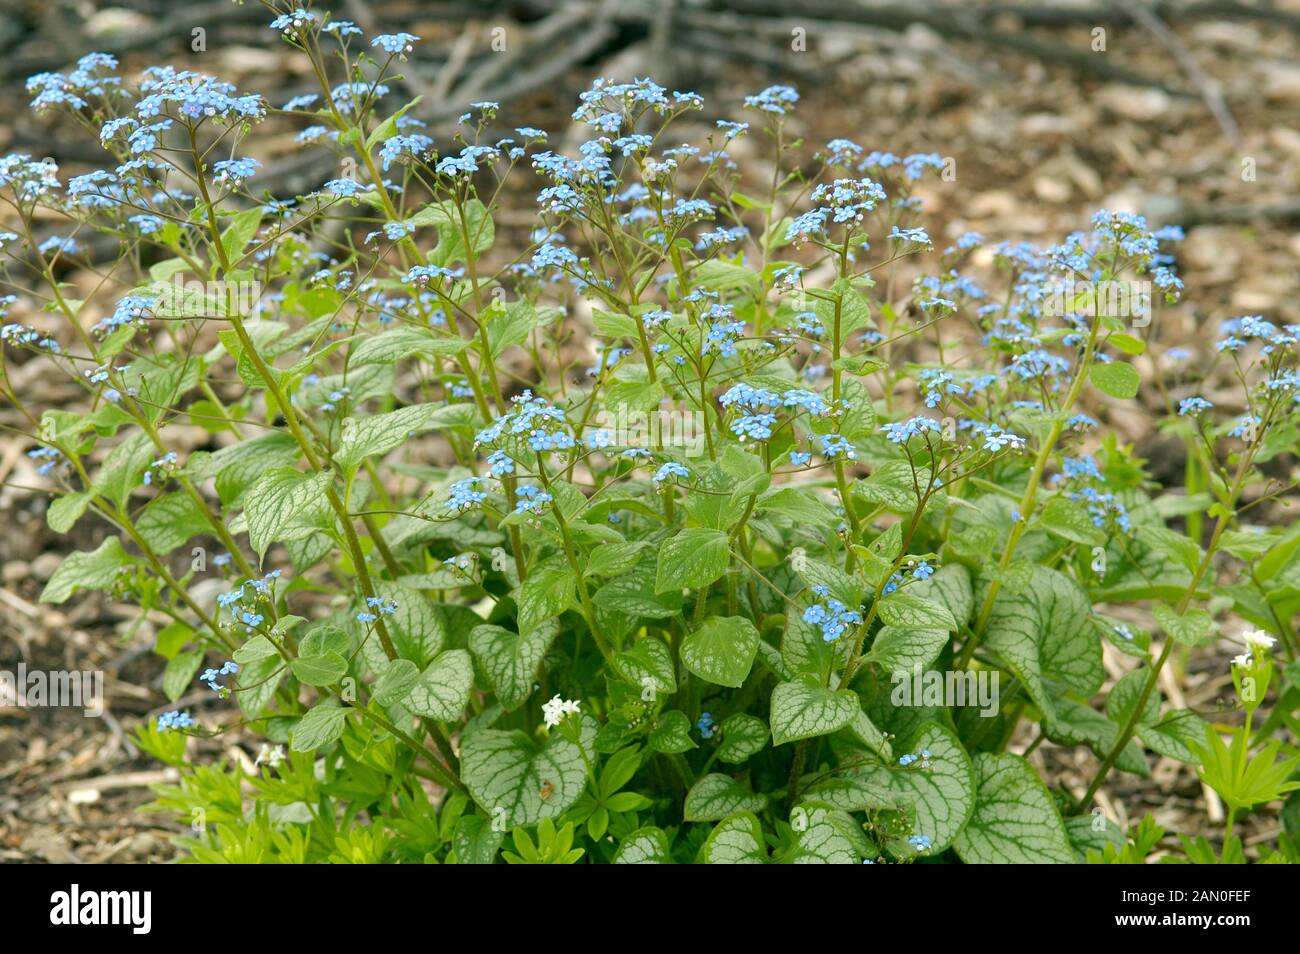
[(534, 419), (210, 676), (175, 720), (831, 615)]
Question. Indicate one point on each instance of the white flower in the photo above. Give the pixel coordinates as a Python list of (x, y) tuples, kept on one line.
[(1258, 641), (557, 709), (271, 756), (1243, 660)]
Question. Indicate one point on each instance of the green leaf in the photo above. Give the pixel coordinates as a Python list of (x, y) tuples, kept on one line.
[(1044, 632), (736, 840), (892, 485), (67, 509), (546, 593), (1184, 549), (396, 683), (511, 325), (645, 846), (240, 232), (124, 467), (285, 504), (262, 677), (319, 727), (1074, 723), (1015, 820), (695, 557), (380, 433), (800, 505), (1092, 833), (323, 670), (743, 736), (613, 559), (442, 691), (388, 128), (259, 647), (451, 231), (474, 841), (634, 595), (403, 342), (671, 733), (1174, 735), (824, 837), (416, 625), (611, 324), (802, 710), (1066, 519), (937, 800), (325, 638), (237, 467), (900, 650), (911, 611), (722, 650), (1125, 695), (180, 672), (1115, 378), (856, 790), (506, 775), (951, 587), (168, 521), (1191, 629), (1127, 343), (870, 735), (95, 570), (511, 660), (648, 664)]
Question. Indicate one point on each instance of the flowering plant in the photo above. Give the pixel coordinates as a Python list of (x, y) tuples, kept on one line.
[(867, 557)]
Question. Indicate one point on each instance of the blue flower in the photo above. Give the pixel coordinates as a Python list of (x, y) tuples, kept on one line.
[(293, 21), (705, 724), (917, 236), (1193, 406), (531, 499), (900, 432), (395, 44), (235, 171), (345, 188), (835, 446), (775, 100), (832, 616), (671, 469), (464, 495), (1247, 422), (174, 720), (404, 148), (754, 426)]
